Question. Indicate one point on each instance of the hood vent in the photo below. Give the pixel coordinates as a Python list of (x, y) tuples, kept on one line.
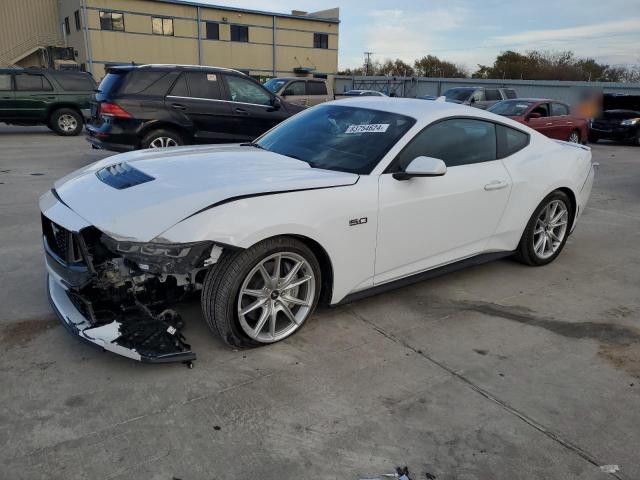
[(122, 175)]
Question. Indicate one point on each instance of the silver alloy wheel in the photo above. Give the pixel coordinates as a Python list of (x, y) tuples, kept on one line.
[(551, 228), (276, 297), (162, 142), (574, 137), (67, 123)]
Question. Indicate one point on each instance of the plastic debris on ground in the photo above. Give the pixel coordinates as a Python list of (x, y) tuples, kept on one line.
[(610, 468)]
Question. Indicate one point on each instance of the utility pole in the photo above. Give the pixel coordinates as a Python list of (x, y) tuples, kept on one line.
[(367, 62)]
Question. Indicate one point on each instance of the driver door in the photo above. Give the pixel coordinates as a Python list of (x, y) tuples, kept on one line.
[(431, 221)]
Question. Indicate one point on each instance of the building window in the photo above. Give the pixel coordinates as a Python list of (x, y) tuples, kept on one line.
[(320, 40), (76, 14), (112, 21), (213, 31), (239, 33), (162, 26), (67, 28)]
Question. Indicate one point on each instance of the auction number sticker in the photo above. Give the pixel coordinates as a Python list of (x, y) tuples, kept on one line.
[(370, 128)]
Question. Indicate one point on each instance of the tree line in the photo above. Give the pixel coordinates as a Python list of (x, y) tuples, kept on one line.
[(532, 65)]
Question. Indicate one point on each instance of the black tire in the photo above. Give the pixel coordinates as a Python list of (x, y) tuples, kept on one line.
[(593, 138), (156, 136), (224, 279), (525, 252), (66, 122)]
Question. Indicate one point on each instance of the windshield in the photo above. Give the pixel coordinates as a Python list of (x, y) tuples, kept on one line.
[(347, 139), (274, 84), (458, 94), (508, 108)]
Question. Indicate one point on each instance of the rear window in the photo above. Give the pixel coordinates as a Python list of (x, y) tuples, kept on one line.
[(72, 81), (510, 93), (458, 94), (492, 94), (143, 82), (510, 140), (111, 83), (316, 88)]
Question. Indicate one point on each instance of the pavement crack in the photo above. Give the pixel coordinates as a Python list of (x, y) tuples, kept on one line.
[(489, 396)]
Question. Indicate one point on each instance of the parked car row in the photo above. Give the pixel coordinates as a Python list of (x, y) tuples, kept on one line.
[(151, 106)]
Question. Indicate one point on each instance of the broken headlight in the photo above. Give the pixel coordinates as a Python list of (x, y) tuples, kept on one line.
[(161, 257)]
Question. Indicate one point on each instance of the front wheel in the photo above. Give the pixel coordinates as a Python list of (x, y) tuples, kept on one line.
[(547, 230), (263, 294)]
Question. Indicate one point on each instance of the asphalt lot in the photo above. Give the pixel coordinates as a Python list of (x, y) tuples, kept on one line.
[(498, 372)]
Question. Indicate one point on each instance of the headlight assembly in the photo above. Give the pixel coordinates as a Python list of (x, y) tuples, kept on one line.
[(630, 121), (161, 257)]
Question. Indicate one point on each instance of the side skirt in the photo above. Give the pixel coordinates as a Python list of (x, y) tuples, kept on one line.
[(419, 277)]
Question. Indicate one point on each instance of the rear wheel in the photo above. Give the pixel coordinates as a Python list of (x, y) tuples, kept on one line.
[(162, 138), (263, 294), (547, 230), (66, 122), (574, 137)]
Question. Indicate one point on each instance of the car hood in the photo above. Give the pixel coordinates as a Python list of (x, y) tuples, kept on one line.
[(184, 180)]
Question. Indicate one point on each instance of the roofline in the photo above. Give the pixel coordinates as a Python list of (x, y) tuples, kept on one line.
[(173, 65), (246, 10), (200, 67)]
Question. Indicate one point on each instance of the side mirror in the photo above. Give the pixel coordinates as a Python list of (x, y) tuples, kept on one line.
[(533, 115), (422, 167), (472, 100), (276, 103)]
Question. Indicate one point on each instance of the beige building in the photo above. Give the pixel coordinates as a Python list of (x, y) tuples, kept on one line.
[(107, 32)]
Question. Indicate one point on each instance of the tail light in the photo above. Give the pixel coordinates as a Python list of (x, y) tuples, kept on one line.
[(108, 109)]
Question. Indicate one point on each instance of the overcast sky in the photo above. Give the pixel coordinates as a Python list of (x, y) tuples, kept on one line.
[(474, 31)]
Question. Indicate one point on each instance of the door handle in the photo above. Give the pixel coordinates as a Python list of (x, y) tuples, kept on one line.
[(241, 111), (548, 123), (495, 185), (178, 106), (51, 98)]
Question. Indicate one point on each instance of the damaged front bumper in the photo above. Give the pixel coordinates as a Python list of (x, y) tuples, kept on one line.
[(156, 341), (130, 330)]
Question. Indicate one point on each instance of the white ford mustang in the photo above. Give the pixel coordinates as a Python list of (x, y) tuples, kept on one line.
[(340, 201)]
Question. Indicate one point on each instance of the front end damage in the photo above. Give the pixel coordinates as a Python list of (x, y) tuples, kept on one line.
[(117, 294)]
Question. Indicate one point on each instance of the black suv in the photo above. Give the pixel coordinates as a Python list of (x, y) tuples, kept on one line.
[(152, 106), (58, 99)]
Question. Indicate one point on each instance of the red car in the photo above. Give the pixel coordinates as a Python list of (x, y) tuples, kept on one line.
[(549, 117)]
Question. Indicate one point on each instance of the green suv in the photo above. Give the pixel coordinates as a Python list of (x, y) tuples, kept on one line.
[(58, 99)]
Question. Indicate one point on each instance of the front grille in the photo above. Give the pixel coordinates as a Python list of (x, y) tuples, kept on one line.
[(61, 242)]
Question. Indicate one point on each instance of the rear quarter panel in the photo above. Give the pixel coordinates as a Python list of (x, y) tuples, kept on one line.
[(536, 171)]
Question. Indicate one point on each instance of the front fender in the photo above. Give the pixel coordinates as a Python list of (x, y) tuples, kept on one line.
[(322, 215)]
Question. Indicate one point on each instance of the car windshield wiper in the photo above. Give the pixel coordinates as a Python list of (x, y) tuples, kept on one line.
[(252, 144)]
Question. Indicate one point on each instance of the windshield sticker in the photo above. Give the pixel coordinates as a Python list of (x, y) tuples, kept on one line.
[(521, 105), (212, 77), (370, 128)]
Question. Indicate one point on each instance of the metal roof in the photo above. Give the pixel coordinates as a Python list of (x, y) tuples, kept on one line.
[(245, 10)]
